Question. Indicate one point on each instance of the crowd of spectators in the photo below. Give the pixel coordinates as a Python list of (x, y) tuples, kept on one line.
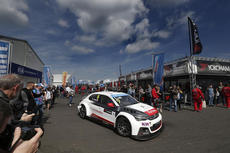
[(175, 96)]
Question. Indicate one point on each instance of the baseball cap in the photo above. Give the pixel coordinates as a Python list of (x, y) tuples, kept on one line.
[(40, 85)]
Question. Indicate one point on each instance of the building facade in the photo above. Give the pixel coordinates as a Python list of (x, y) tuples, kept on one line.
[(206, 70), (21, 59)]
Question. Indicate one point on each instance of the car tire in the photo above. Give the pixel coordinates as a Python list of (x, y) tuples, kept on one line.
[(82, 112), (123, 127)]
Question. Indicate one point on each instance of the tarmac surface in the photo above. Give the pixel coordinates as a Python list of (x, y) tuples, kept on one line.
[(185, 131)]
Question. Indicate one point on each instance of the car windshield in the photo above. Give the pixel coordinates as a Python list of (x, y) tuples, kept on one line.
[(125, 100)]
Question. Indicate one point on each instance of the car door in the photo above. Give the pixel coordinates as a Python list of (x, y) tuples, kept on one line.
[(95, 106), (109, 109)]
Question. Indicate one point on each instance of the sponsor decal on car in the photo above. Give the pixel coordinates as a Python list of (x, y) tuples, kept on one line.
[(151, 112), (118, 95), (146, 123), (102, 119)]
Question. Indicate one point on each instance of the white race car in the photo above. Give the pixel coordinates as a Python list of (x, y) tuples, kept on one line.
[(128, 116)]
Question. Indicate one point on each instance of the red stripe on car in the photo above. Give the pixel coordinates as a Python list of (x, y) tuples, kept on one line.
[(101, 118)]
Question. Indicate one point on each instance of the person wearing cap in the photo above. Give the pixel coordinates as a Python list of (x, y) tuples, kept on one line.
[(39, 102)]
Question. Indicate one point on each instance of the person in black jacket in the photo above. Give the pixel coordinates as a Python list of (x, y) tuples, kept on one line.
[(28, 96), (9, 88), (24, 104)]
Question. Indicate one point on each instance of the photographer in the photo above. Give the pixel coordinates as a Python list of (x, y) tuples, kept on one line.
[(29, 146), (9, 87)]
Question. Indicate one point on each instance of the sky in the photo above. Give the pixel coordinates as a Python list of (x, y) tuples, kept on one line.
[(91, 38)]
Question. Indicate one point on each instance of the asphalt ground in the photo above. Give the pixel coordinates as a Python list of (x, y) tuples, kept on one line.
[(184, 131)]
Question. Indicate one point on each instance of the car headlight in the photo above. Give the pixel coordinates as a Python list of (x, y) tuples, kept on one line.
[(141, 117)]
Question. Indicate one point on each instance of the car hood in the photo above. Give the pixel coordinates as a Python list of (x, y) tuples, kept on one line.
[(149, 110)]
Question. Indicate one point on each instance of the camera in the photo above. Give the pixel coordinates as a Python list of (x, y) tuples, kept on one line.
[(27, 133), (27, 130)]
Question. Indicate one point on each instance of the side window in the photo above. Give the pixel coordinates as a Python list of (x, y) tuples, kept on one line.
[(94, 98), (105, 100)]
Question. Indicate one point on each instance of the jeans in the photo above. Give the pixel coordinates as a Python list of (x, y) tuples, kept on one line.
[(211, 98), (70, 99), (40, 111), (61, 94), (173, 102)]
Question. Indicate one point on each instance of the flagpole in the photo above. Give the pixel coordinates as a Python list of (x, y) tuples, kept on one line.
[(190, 61), (152, 68), (190, 45)]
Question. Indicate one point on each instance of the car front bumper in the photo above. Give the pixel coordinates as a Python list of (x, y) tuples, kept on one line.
[(145, 130), (143, 136)]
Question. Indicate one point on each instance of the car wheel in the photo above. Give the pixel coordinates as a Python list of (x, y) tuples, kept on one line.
[(82, 112), (123, 127)]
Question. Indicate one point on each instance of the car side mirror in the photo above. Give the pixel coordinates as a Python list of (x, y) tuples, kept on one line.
[(110, 105)]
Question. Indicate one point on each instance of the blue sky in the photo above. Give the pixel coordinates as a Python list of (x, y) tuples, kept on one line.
[(90, 38)]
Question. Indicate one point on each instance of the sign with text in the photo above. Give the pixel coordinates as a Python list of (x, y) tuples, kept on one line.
[(4, 57), (213, 67), (25, 71)]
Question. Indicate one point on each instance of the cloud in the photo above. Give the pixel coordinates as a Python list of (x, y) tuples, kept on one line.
[(13, 12), (92, 39), (77, 49), (141, 45), (88, 39), (179, 19), (110, 20), (162, 34), (143, 38), (141, 29), (51, 32), (81, 50), (63, 23), (166, 3)]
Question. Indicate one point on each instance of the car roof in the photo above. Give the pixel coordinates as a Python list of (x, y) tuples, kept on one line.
[(110, 93)]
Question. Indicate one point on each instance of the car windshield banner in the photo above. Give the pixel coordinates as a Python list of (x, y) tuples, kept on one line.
[(213, 67), (158, 68), (4, 57)]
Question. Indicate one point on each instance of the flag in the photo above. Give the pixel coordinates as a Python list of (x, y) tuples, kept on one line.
[(47, 76), (73, 81), (158, 68), (64, 77), (196, 44)]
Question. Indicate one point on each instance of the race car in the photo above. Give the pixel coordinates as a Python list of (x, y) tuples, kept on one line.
[(126, 115)]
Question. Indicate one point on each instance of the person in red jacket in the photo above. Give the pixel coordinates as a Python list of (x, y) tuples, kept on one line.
[(76, 89), (226, 92), (155, 95), (197, 97)]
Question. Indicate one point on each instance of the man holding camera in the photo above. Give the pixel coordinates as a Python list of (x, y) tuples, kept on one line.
[(10, 85)]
